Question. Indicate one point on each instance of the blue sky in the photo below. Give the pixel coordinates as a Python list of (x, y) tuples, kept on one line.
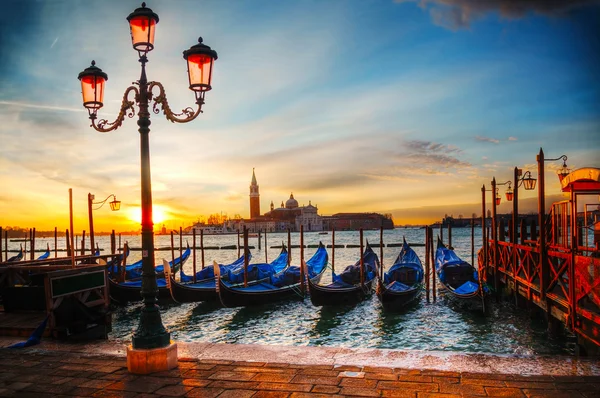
[(404, 107)]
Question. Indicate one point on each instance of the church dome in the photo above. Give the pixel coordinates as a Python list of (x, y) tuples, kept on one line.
[(291, 203)]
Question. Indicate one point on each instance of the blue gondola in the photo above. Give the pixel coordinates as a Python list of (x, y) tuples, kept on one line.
[(402, 284)]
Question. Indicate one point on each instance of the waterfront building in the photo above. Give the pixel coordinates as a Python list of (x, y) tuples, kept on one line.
[(354, 221)]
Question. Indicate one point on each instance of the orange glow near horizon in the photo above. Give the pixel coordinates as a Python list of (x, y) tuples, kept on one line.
[(160, 214)]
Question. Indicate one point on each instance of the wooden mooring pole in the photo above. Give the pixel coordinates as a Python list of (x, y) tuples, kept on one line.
[(32, 244), (381, 253), (266, 248), (245, 257), (473, 242), (55, 242), (71, 227), (202, 247), (449, 228), (362, 261), (332, 250), (259, 239), (289, 257), (1, 244), (172, 248), (427, 265), (238, 244), (194, 254), (432, 257), (302, 269)]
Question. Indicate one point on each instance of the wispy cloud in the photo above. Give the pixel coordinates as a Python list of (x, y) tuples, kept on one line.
[(486, 139), (458, 14), (512, 138)]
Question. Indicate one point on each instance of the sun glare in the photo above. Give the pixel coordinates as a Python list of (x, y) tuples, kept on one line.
[(159, 214)]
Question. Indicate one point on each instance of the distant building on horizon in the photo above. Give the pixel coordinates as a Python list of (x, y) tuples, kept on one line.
[(290, 215)]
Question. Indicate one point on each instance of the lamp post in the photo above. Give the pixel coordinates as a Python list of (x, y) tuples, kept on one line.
[(545, 268), (495, 202), (150, 334), (115, 205)]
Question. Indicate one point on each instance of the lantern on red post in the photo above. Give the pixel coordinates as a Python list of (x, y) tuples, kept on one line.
[(142, 24), (200, 59), (92, 87), (509, 193)]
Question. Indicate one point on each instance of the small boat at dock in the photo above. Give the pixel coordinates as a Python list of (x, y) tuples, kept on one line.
[(402, 284), (347, 287), (459, 278), (285, 285)]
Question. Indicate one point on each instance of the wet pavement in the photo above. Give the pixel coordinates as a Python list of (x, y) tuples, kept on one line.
[(209, 370)]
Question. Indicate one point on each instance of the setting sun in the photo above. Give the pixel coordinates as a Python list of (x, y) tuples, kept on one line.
[(159, 214)]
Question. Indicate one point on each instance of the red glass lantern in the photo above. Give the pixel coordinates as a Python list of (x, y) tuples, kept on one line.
[(509, 194), (498, 200), (92, 87), (200, 59), (142, 24)]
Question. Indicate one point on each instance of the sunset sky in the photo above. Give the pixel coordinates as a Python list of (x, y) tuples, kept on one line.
[(404, 107)]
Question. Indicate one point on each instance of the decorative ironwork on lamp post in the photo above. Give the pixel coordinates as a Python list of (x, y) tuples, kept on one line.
[(200, 58), (115, 205), (545, 268)]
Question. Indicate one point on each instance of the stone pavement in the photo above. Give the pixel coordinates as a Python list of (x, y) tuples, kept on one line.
[(99, 370)]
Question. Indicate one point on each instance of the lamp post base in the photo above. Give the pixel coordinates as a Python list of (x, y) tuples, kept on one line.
[(145, 361)]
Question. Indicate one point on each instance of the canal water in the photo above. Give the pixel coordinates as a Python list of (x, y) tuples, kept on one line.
[(434, 326)]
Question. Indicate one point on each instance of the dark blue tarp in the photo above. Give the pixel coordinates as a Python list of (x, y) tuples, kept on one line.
[(259, 270), (314, 266), (407, 258), (351, 274), (209, 272)]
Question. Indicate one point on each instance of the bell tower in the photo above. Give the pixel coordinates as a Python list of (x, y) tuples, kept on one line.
[(254, 197)]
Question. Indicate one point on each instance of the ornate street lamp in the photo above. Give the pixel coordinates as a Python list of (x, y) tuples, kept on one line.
[(150, 334), (564, 170), (544, 265), (115, 205)]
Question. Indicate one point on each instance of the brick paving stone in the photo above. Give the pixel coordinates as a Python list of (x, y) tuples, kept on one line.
[(83, 391), (359, 392), (348, 368), (552, 394), (484, 382), (114, 394), (135, 386), (49, 388), (308, 395), (233, 376), (203, 366), (195, 382), (257, 364), (271, 394), (96, 383), (442, 373), (325, 389), (264, 370), (447, 380), (374, 369), (173, 391), (416, 378), (309, 379), (284, 387), (276, 365), (319, 372), (363, 383), (227, 384), (151, 379), (217, 361), (489, 376), (465, 389), (237, 394), (403, 371), (381, 376), (204, 392), (18, 385), (531, 385), (202, 374), (274, 377), (406, 385), (436, 395), (398, 393), (504, 392)]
